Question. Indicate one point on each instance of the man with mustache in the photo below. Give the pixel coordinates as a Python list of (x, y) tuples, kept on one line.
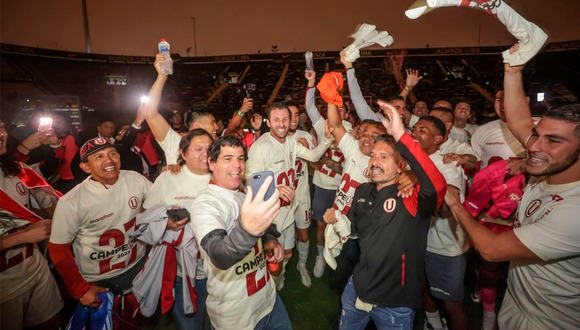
[(392, 232)]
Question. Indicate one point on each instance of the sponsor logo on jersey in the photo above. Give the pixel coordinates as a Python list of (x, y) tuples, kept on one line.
[(20, 188), (102, 218), (494, 143), (133, 202), (184, 197), (389, 205), (533, 207), (557, 198)]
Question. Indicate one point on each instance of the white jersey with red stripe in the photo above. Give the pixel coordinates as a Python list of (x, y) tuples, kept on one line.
[(19, 260), (267, 154), (545, 294), (301, 170), (355, 172), (326, 178), (98, 220), (240, 296)]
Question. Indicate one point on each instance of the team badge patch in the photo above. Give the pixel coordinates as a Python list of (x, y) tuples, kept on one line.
[(390, 205), (133, 202), (20, 188), (533, 207)]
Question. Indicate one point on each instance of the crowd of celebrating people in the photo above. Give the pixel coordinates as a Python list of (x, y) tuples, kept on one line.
[(169, 213)]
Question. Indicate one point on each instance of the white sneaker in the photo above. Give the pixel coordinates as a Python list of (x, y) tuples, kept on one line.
[(428, 325), (489, 321), (319, 267), (280, 281), (304, 276)]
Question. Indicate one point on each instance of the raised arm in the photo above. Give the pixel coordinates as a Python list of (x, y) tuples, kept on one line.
[(412, 80), (236, 120), (335, 123), (517, 108), (158, 125), (310, 99), (360, 104)]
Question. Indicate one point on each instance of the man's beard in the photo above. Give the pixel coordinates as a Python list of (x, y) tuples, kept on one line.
[(560, 167)]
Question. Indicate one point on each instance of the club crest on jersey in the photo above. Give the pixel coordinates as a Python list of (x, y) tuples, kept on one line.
[(133, 202), (367, 173), (389, 205), (20, 188), (533, 207)]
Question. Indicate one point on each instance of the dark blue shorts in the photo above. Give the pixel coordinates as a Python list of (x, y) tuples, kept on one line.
[(322, 200)]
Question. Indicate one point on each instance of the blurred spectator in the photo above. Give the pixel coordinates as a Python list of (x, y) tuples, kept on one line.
[(29, 296)]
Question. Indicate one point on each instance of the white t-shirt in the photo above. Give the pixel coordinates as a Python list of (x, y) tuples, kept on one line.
[(460, 134), (99, 220), (495, 139), (355, 172), (457, 147), (445, 236), (240, 296), (170, 146), (546, 294), (181, 190), (177, 189)]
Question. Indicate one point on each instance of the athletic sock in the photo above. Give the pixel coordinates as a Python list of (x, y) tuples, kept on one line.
[(488, 297), (434, 319), (320, 249), (302, 248)]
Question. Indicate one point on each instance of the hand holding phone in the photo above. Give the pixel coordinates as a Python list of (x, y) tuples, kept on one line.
[(45, 123), (257, 179)]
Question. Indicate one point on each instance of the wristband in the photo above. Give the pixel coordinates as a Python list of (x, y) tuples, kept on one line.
[(56, 146), (25, 147), (240, 113), (352, 67), (407, 88)]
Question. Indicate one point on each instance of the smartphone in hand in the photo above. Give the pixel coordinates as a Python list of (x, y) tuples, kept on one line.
[(45, 123), (178, 214), (257, 179)]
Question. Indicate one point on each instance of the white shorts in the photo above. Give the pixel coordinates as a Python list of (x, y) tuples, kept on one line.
[(288, 238), (35, 306), (302, 215)]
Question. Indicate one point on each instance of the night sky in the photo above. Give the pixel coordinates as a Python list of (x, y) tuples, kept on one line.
[(223, 27)]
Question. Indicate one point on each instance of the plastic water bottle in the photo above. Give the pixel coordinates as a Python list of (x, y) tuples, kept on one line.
[(167, 66)]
